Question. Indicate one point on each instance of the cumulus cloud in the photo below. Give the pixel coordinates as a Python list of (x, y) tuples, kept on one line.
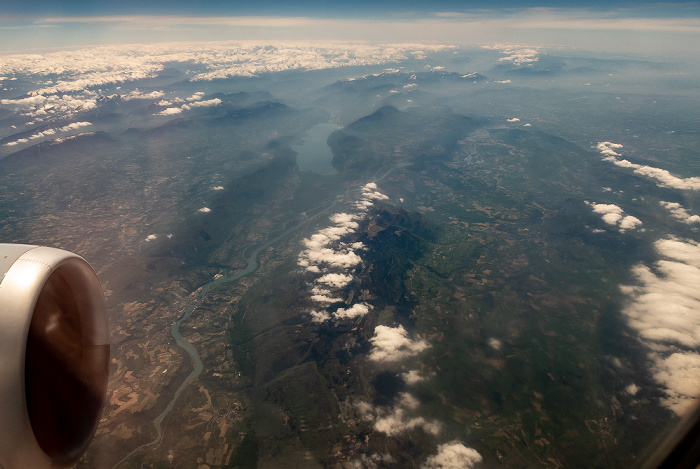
[(151, 237), (679, 212), (629, 222), (136, 94), (356, 310), (328, 256), (513, 119), (608, 148), (398, 422), (171, 111), (335, 280), (70, 81), (370, 461), (319, 316), (495, 343), (663, 177), (615, 216), (195, 97), (204, 210), (74, 126), (53, 106), (413, 377), (453, 455), (516, 54), (217, 188), (397, 419), (49, 132), (207, 103), (61, 140), (325, 299), (333, 259), (95, 66), (663, 310), (393, 344)]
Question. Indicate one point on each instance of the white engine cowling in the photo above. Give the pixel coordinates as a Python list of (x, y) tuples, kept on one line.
[(54, 356)]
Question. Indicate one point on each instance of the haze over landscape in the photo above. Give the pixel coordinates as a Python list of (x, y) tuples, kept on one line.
[(369, 235)]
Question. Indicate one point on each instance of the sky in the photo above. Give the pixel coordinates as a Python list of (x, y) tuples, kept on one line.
[(630, 26)]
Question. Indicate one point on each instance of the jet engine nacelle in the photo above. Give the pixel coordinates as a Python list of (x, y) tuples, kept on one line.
[(54, 356)]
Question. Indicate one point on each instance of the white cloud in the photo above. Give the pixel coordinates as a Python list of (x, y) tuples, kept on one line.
[(171, 111), (61, 140), (207, 103), (196, 97), (397, 419), (632, 389), (629, 222), (74, 126), (513, 119), (412, 377), (392, 344), (345, 219), (69, 81), (325, 299), (495, 343), (151, 237), (663, 177), (319, 316), (608, 148), (136, 94), (516, 54), (663, 310), (370, 462), (55, 106), (453, 455), (204, 210), (49, 132), (332, 258), (356, 310), (615, 216), (399, 422), (335, 280), (217, 188), (679, 212), (327, 255)]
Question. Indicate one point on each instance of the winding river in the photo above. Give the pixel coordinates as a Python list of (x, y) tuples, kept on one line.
[(249, 268)]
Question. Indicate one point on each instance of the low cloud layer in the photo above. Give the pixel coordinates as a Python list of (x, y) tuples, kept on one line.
[(391, 344), (399, 418), (49, 133), (663, 309), (680, 213), (68, 82), (193, 101), (615, 216), (516, 54), (663, 177), (334, 260), (453, 455)]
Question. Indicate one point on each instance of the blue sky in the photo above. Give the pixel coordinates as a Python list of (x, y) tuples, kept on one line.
[(623, 25), (324, 8)]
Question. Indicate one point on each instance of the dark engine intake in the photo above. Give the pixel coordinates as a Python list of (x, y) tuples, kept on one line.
[(54, 356)]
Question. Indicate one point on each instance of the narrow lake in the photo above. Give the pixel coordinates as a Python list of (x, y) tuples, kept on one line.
[(314, 154)]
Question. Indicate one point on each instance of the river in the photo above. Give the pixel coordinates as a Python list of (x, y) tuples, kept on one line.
[(249, 268)]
